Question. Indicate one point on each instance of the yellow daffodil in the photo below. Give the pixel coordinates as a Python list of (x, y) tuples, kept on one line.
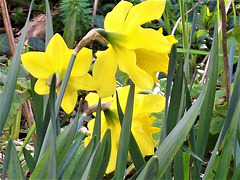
[(139, 52), (43, 65), (142, 129)]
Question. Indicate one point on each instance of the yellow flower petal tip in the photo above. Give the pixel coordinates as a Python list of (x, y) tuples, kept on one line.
[(42, 65), (139, 52), (142, 129)]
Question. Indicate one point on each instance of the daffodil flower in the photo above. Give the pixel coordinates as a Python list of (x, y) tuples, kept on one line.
[(139, 52), (142, 129), (43, 65)]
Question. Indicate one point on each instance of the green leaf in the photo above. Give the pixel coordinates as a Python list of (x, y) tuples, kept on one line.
[(52, 160), (214, 160), (171, 144), (97, 124), (29, 159), (37, 43), (134, 150), (18, 99), (64, 142), (49, 25), (12, 160), (70, 29), (73, 154), (4, 44), (101, 158), (236, 33), (207, 108), (9, 87), (196, 90), (18, 16), (230, 140), (125, 136), (152, 170), (175, 103), (171, 71), (73, 163), (3, 59), (83, 161), (121, 77)]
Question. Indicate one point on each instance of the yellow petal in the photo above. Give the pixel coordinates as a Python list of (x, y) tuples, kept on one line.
[(59, 53), (69, 100), (150, 39), (171, 39), (41, 87), (148, 103), (82, 62), (104, 71), (92, 98), (152, 62), (114, 20), (127, 64), (38, 64), (144, 12), (85, 82), (143, 131)]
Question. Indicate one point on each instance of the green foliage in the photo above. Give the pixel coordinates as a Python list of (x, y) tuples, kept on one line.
[(18, 15), (83, 13), (197, 119), (36, 43), (4, 44)]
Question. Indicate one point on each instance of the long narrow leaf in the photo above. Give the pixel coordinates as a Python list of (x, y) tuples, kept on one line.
[(207, 108), (134, 150), (70, 29), (12, 160), (125, 136), (227, 151), (29, 159), (213, 162), (174, 140), (9, 87), (101, 158), (49, 25), (83, 162)]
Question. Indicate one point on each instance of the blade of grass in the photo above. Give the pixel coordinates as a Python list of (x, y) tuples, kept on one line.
[(9, 87), (125, 136)]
